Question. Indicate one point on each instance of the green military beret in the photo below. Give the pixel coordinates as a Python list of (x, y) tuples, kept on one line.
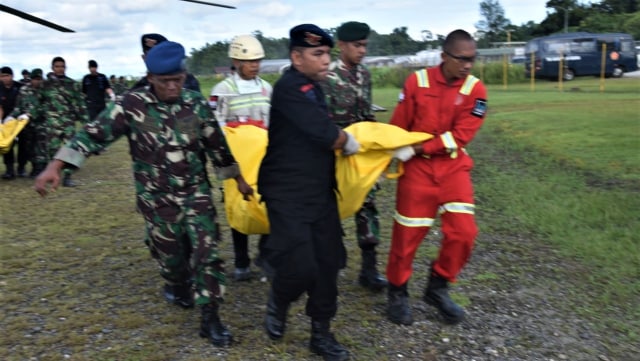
[(36, 73), (352, 31)]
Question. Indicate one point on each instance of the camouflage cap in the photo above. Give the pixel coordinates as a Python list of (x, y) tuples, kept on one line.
[(352, 31), (309, 36), (36, 73)]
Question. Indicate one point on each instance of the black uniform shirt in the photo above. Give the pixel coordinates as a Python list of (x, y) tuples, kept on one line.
[(94, 87), (8, 97), (299, 164)]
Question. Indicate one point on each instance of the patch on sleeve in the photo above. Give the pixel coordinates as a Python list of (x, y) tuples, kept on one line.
[(480, 108), (400, 97), (305, 88)]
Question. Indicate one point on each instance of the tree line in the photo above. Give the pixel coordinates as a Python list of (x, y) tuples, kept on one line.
[(570, 15)]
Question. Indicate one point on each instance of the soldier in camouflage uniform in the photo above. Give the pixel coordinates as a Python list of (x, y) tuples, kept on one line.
[(348, 92), (29, 103), (63, 103), (168, 128)]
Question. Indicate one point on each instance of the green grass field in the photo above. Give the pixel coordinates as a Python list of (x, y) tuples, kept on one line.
[(557, 171)]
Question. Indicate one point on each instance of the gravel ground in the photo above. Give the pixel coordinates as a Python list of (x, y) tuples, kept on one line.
[(97, 298)]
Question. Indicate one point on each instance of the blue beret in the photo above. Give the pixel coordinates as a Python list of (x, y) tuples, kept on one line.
[(166, 58), (308, 36), (352, 31)]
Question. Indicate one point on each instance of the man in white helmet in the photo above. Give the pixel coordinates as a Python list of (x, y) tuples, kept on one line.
[(243, 98)]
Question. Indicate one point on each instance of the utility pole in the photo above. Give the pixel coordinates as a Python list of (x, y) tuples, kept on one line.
[(566, 19)]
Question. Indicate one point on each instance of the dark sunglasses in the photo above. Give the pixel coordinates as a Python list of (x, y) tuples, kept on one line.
[(462, 59)]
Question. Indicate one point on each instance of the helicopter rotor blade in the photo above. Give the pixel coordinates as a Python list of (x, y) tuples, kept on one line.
[(34, 19), (211, 4)]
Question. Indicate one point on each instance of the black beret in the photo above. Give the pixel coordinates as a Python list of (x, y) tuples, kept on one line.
[(25, 71), (151, 40), (93, 64), (308, 36), (166, 58), (352, 31), (6, 70)]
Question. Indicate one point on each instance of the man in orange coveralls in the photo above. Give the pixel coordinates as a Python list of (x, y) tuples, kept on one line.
[(450, 103)]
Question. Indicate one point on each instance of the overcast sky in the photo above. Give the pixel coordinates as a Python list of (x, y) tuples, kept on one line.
[(109, 31)]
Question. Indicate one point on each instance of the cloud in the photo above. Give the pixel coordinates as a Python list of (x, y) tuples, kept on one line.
[(273, 10)]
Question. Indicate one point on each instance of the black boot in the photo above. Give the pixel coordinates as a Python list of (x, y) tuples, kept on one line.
[(324, 344), (37, 169), (398, 310), (212, 327), (67, 182), (437, 294), (22, 173), (369, 276), (275, 321), (180, 295), (9, 174)]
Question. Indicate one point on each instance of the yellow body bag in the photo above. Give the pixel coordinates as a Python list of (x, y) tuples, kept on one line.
[(9, 130), (355, 174), (248, 145)]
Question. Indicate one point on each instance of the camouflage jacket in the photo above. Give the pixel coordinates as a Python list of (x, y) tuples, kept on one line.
[(167, 143), (63, 102), (29, 102), (348, 93)]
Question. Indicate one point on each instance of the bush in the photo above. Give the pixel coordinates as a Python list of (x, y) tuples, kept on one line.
[(386, 77), (493, 73)]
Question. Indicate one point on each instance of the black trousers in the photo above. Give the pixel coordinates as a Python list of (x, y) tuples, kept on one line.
[(306, 250), (25, 143), (94, 109), (241, 248)]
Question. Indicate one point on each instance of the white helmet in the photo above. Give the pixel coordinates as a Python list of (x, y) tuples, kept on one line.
[(245, 47)]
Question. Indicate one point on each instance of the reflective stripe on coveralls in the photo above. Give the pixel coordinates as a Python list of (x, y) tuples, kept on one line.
[(466, 88), (454, 207)]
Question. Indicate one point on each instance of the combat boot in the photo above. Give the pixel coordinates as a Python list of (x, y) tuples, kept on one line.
[(323, 342), (9, 174), (22, 173), (437, 294), (398, 310), (180, 295), (67, 182), (369, 276), (212, 328), (36, 169), (275, 321), (242, 274)]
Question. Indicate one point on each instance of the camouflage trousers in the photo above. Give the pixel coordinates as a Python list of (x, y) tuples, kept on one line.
[(56, 138), (40, 145), (187, 251), (367, 222)]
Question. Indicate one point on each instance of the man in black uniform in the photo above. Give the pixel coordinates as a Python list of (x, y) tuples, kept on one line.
[(26, 77), (9, 90), (298, 184), (95, 85), (148, 42)]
